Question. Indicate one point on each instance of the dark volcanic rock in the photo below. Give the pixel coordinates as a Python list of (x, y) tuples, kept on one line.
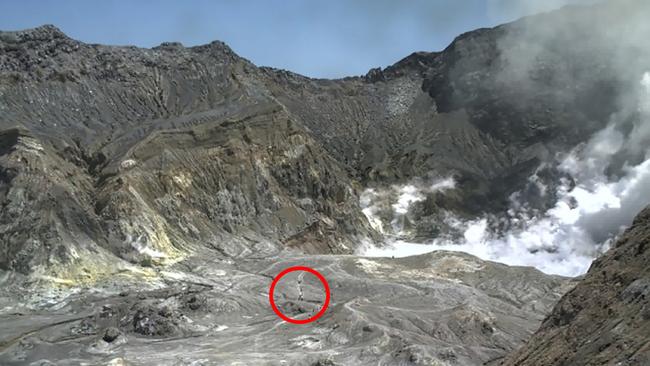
[(149, 154), (149, 322), (605, 319), (111, 334)]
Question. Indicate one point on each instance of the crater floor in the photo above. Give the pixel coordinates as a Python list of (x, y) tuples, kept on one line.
[(437, 308)]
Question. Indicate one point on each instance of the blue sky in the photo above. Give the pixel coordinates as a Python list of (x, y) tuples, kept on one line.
[(332, 38)]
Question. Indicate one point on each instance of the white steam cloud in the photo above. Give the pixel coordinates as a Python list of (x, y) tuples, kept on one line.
[(592, 208), (396, 200)]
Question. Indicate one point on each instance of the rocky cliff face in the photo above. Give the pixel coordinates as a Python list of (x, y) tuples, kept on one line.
[(282, 157), (147, 154), (439, 308), (605, 319)]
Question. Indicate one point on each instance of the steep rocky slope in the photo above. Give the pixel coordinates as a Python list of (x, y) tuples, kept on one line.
[(148, 154), (107, 118), (605, 319), (240, 185)]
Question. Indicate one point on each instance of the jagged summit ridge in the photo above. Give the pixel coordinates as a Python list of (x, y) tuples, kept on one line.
[(43, 33), (447, 114)]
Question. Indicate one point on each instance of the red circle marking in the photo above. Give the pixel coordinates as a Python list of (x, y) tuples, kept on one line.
[(306, 269)]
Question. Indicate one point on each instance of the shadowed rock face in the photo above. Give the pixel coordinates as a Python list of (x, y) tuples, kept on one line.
[(148, 154), (605, 319)]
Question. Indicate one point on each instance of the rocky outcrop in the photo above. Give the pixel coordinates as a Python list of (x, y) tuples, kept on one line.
[(605, 319), (46, 204), (257, 175)]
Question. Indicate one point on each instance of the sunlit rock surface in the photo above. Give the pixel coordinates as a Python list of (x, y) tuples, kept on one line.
[(443, 307)]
